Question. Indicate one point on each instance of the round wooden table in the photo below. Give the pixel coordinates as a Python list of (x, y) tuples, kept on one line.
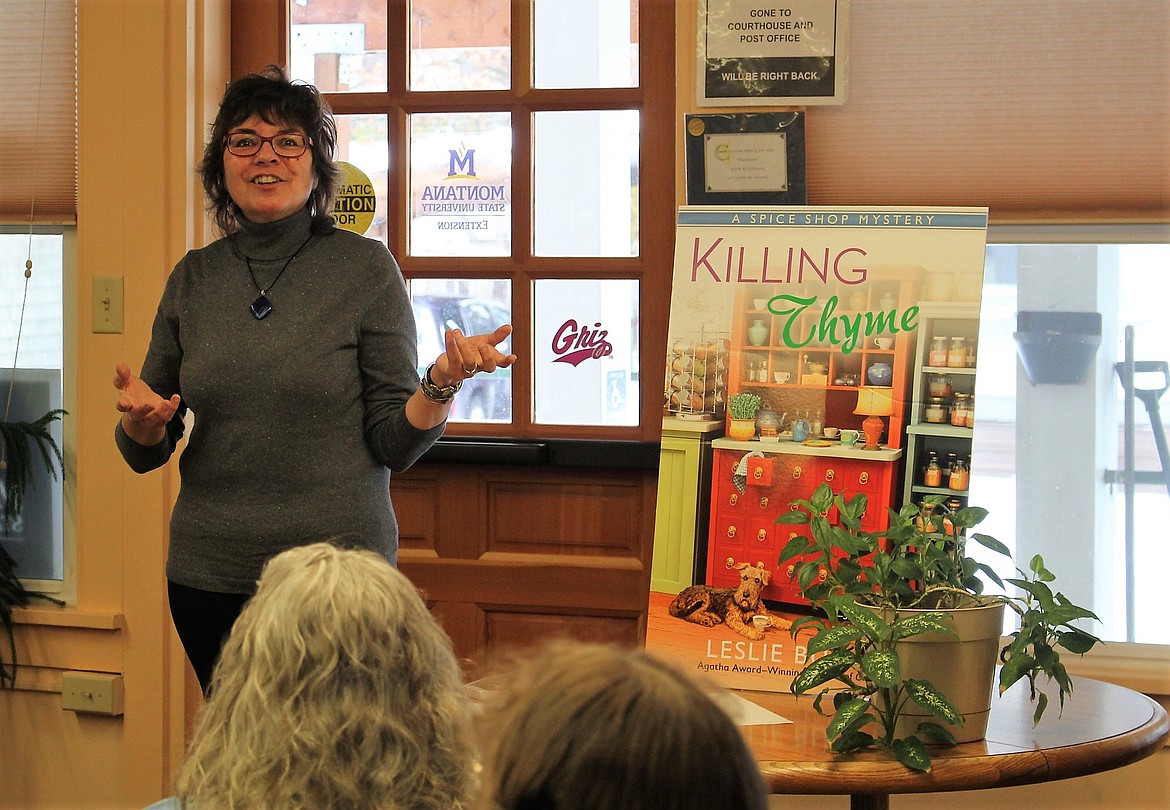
[(1103, 726)]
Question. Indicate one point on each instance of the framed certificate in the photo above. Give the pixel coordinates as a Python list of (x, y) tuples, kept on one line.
[(746, 159)]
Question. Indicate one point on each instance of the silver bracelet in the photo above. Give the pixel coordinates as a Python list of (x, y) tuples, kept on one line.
[(438, 394)]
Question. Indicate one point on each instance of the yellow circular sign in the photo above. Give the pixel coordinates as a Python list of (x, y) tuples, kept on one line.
[(354, 207)]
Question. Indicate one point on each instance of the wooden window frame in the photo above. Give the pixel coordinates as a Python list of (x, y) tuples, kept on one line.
[(260, 37)]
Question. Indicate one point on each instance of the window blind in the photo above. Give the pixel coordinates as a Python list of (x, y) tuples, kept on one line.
[(1053, 110), (38, 110)]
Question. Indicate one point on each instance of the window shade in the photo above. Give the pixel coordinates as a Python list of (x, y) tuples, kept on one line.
[(1043, 111), (38, 110)]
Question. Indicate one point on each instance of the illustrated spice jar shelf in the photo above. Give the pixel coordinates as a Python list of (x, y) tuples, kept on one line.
[(942, 410)]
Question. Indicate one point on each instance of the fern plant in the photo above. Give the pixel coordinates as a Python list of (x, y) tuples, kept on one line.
[(17, 460), (23, 443)]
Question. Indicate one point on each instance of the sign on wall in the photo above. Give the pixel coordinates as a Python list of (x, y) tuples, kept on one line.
[(746, 159), (356, 201), (754, 52)]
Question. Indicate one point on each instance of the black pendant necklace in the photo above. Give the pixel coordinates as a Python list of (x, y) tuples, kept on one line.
[(262, 307)]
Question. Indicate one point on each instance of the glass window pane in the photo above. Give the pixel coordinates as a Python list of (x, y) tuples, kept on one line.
[(1048, 458), (460, 45), (339, 47), (461, 184), (362, 140), (585, 197), (41, 335), (585, 370), (30, 386), (474, 306), (585, 43)]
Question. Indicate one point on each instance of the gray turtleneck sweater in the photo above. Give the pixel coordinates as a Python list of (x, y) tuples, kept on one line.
[(299, 417)]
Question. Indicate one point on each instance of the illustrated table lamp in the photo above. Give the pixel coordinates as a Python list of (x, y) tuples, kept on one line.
[(874, 403)]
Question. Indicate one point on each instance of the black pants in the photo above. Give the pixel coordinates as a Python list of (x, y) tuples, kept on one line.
[(203, 620)]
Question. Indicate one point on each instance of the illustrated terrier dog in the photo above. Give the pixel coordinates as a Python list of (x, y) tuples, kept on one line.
[(709, 606)]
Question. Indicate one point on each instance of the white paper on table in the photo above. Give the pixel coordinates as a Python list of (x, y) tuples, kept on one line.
[(745, 713)]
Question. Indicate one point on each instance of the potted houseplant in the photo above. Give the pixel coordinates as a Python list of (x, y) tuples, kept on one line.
[(912, 582), (20, 439), (17, 465)]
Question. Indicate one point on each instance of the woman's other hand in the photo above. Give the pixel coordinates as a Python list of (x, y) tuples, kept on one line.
[(467, 356), (145, 414)]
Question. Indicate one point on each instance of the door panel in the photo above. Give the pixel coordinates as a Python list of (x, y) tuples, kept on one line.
[(510, 555)]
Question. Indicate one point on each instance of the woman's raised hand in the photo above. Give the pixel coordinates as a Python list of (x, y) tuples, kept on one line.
[(145, 414), (467, 356)]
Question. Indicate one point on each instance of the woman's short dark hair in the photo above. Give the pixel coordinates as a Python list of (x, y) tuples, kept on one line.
[(278, 100)]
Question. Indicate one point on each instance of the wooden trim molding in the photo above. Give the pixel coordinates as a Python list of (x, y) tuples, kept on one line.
[(267, 22), (68, 617), (1142, 667), (545, 453)]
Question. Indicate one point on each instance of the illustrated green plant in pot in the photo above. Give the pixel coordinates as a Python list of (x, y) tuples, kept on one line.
[(743, 406), (887, 595), (16, 476), (741, 410)]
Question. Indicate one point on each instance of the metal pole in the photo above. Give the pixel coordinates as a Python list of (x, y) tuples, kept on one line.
[(1129, 479)]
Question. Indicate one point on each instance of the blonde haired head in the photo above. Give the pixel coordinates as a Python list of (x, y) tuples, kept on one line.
[(336, 688)]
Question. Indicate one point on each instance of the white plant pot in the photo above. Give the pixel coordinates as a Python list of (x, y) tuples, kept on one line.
[(962, 668)]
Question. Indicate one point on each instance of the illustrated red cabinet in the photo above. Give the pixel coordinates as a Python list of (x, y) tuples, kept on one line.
[(751, 486)]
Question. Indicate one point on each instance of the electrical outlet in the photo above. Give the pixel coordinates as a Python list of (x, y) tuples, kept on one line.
[(107, 304), (92, 692)]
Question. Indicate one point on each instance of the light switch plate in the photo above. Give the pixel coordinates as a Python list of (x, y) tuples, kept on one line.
[(107, 304), (92, 692)]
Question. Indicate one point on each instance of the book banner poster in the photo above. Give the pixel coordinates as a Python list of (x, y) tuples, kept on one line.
[(817, 345)]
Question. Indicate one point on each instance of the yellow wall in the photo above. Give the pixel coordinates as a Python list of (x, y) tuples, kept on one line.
[(143, 69), (157, 67)]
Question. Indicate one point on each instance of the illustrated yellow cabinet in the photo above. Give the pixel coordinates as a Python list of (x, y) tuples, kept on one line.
[(684, 486)]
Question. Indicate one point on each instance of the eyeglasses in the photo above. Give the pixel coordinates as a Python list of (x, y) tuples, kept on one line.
[(246, 144)]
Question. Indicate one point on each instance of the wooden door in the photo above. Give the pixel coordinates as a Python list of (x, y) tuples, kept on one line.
[(507, 556)]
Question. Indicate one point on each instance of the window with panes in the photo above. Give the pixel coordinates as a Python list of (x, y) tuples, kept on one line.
[(505, 143)]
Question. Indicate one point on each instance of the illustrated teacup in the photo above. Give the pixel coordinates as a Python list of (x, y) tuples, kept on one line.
[(760, 621), (832, 432), (781, 376), (849, 437), (883, 342)]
